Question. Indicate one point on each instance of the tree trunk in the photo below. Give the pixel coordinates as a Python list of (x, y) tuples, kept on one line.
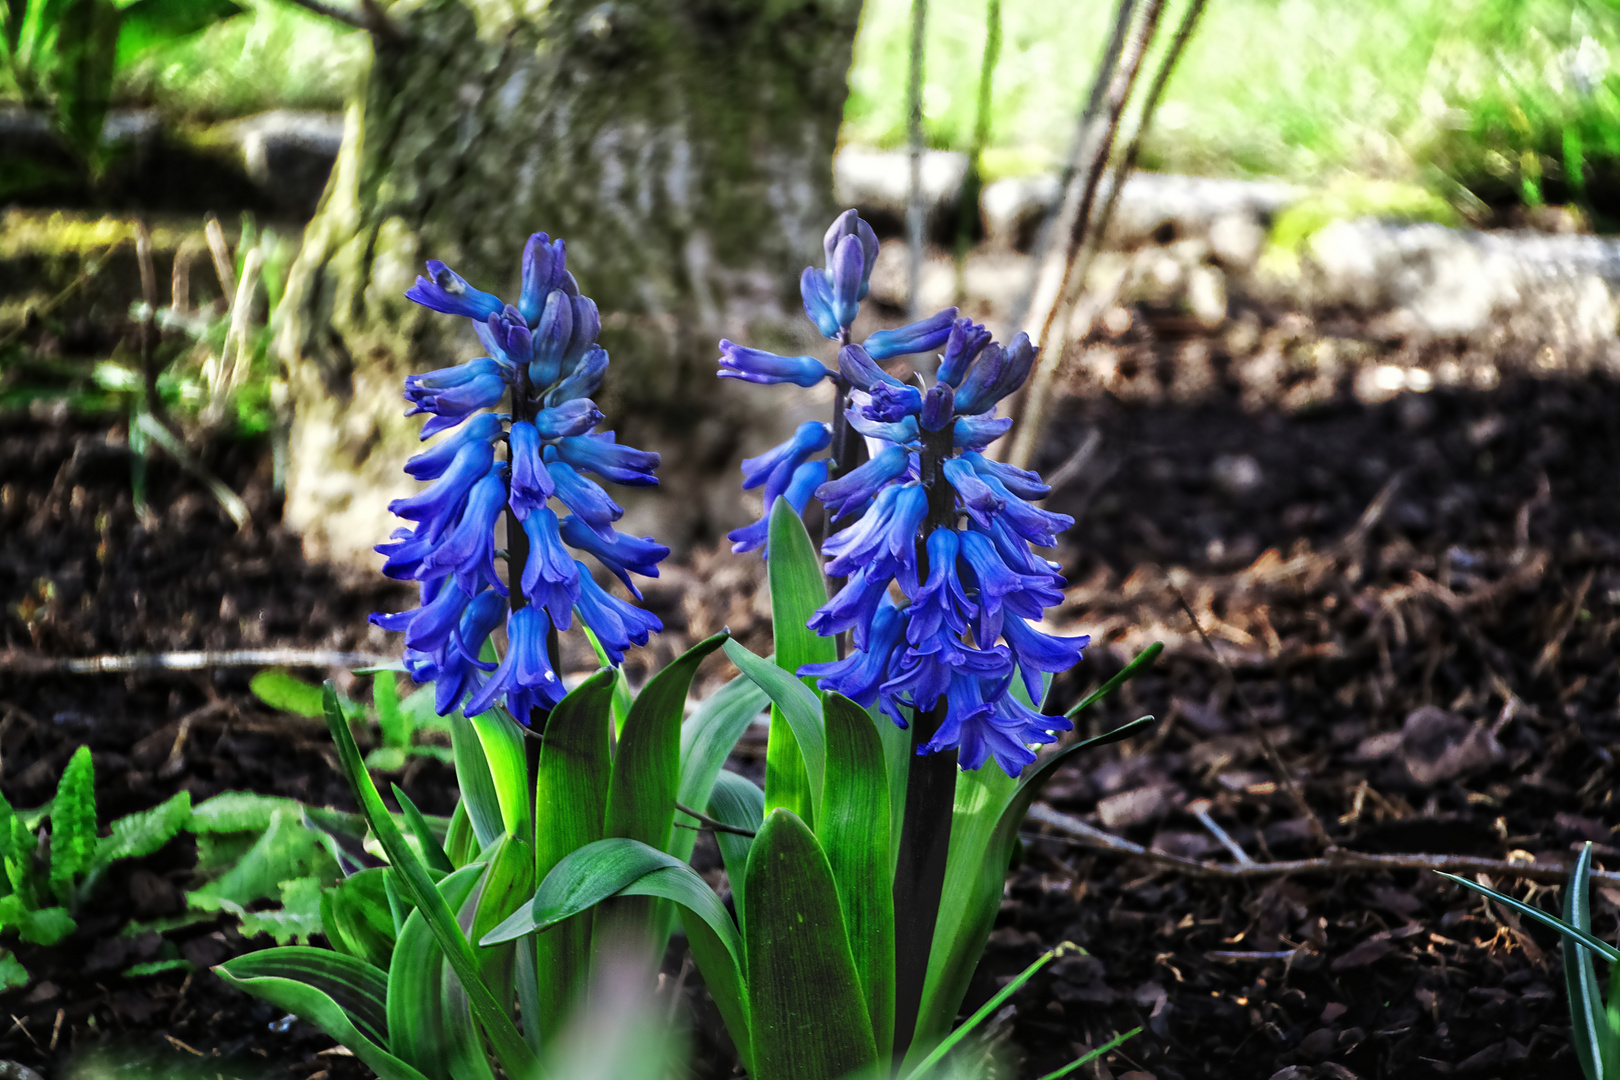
[(683, 150)]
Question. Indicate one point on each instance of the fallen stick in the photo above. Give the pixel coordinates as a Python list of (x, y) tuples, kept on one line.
[(18, 663), (1336, 861)]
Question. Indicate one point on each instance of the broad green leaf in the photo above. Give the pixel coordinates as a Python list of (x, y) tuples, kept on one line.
[(478, 792), (507, 885), (502, 740), (854, 831), (641, 797), (647, 767), (391, 720), (1587, 1019), (802, 710), (707, 739), (86, 51), (516, 1056), (897, 764), (807, 1015), (42, 926), (975, 874), (571, 783), (798, 588), (356, 918), (288, 693), (73, 824), (418, 1032), (139, 834), (1597, 945), (339, 994), (581, 880), (716, 945), (432, 851), (737, 801), (621, 684)]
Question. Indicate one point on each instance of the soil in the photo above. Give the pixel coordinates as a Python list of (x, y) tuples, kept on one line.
[(1414, 598)]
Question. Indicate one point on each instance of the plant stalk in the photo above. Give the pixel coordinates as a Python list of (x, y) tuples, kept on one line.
[(925, 828)]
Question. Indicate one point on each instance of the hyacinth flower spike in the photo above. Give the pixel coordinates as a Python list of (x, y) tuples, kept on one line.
[(832, 296), (544, 363)]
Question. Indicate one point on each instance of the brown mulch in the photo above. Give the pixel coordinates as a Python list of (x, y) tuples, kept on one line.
[(1416, 599)]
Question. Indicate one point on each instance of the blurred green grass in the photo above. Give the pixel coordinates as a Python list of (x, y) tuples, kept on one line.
[(1483, 101)]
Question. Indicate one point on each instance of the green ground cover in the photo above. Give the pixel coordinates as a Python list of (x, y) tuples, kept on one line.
[(1497, 101)]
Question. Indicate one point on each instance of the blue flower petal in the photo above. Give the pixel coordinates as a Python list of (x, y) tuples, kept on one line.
[(446, 291), (923, 336), (767, 368)]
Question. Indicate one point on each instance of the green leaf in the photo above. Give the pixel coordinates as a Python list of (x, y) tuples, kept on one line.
[(478, 793), (1587, 1016), (142, 833), (356, 918), (298, 917), (86, 52), (391, 720), (854, 831), (460, 845), (647, 767), (798, 588), (897, 763), (339, 994), (432, 851), (707, 739), (502, 741), (581, 880), (716, 946), (507, 885), (984, 827), (621, 684), (802, 710), (287, 693), (1139, 663), (284, 851), (737, 801), (1597, 945), (417, 1028), (239, 811), (807, 1014), (13, 976), (73, 825), (1090, 1056), (44, 926), (516, 1056), (571, 783)]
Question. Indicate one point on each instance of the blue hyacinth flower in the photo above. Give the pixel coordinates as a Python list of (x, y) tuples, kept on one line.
[(767, 368)]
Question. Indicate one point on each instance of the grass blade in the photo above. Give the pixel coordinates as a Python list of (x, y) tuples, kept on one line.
[(1597, 945), (987, 1010), (854, 831), (1139, 663), (1588, 1020), (432, 850), (807, 1013), (1088, 1058)]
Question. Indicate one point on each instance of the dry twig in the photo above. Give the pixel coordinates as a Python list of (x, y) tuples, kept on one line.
[(20, 663)]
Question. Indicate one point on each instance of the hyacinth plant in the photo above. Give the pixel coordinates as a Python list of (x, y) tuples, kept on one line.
[(543, 770), (865, 876)]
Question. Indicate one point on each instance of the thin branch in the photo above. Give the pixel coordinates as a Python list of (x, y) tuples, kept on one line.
[(916, 212), (1284, 777), (1336, 861), (19, 663), (711, 823)]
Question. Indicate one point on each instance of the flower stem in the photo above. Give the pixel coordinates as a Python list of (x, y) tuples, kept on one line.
[(848, 451), (925, 828)]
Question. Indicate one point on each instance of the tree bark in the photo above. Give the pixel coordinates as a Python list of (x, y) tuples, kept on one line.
[(683, 150)]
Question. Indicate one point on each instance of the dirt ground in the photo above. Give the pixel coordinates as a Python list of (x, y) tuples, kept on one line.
[(1414, 599)]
